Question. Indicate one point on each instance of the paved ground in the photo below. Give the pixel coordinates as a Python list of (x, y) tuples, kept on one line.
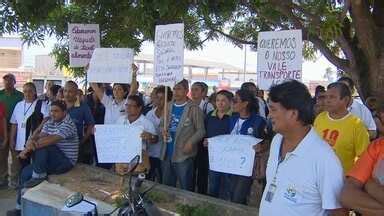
[(7, 200)]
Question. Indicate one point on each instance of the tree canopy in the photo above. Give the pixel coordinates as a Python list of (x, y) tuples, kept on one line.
[(348, 33)]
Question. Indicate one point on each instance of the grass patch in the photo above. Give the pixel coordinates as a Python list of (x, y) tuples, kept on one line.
[(197, 210)]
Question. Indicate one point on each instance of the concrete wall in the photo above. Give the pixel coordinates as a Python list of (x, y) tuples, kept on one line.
[(100, 184)]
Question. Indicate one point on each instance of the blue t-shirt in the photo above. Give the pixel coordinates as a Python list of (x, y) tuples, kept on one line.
[(81, 115), (177, 112)]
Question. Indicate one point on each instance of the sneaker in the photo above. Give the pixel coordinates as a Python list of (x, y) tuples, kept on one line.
[(34, 182), (14, 212)]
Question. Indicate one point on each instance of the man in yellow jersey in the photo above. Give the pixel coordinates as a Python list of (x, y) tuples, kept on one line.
[(344, 131)]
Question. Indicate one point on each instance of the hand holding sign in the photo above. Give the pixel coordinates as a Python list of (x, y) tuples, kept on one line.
[(110, 65), (232, 154)]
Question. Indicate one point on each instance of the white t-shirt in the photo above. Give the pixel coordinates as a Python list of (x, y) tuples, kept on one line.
[(361, 111), (206, 106), (113, 110), (154, 150), (141, 122), (308, 181), (20, 115)]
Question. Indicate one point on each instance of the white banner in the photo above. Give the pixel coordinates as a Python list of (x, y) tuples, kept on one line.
[(111, 65), (83, 39), (279, 57), (232, 154), (117, 143), (169, 54)]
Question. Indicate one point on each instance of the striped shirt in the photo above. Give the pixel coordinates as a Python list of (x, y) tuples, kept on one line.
[(66, 129)]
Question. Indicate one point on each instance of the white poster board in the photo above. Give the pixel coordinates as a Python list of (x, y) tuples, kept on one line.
[(111, 65), (279, 57), (83, 39), (232, 154), (169, 54), (117, 143)]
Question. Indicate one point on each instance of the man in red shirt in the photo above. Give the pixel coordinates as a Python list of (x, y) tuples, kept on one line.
[(3, 133)]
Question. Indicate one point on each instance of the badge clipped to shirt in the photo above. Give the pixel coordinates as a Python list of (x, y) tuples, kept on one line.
[(23, 125), (271, 192)]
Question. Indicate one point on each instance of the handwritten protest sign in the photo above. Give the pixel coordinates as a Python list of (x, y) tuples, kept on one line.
[(83, 39), (232, 154), (117, 143), (279, 57), (111, 65), (169, 54)]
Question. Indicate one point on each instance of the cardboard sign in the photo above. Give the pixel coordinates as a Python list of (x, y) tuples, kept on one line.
[(111, 65), (83, 40), (169, 54), (232, 154), (117, 143), (279, 57)]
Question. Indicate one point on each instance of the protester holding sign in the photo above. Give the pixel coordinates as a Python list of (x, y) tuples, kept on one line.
[(134, 117), (246, 121), (217, 123), (114, 104), (184, 129), (154, 115)]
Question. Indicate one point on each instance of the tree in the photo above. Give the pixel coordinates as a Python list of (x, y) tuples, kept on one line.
[(329, 74), (348, 33)]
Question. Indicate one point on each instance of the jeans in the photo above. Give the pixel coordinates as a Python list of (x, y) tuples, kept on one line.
[(240, 188), (155, 173), (47, 160), (182, 171), (219, 185)]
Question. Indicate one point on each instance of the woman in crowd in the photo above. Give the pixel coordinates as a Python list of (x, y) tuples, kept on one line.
[(245, 121), (26, 118), (154, 115), (217, 123), (114, 104)]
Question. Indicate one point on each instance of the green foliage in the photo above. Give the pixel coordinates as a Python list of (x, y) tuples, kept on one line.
[(157, 197), (129, 23), (197, 210)]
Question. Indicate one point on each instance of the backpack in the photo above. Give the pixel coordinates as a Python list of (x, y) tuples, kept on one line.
[(34, 121)]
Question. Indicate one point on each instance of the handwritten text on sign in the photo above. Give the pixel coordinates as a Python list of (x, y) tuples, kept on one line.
[(111, 65), (279, 57), (169, 54), (232, 154), (117, 143), (83, 39)]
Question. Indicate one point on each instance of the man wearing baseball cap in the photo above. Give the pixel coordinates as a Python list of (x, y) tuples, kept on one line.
[(9, 97)]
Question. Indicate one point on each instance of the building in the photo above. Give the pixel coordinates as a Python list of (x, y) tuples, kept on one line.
[(11, 60)]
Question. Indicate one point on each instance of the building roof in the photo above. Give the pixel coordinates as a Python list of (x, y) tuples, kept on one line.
[(193, 63)]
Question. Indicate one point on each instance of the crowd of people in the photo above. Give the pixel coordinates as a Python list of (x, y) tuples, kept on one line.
[(319, 156)]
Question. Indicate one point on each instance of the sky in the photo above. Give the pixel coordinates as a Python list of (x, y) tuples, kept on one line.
[(218, 51)]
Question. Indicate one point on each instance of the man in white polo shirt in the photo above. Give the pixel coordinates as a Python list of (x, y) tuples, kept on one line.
[(360, 110), (304, 176)]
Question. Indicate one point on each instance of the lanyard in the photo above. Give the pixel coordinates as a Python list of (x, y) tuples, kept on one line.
[(280, 160), (26, 111)]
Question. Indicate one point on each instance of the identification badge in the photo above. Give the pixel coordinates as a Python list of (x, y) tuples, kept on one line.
[(23, 125), (271, 192)]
